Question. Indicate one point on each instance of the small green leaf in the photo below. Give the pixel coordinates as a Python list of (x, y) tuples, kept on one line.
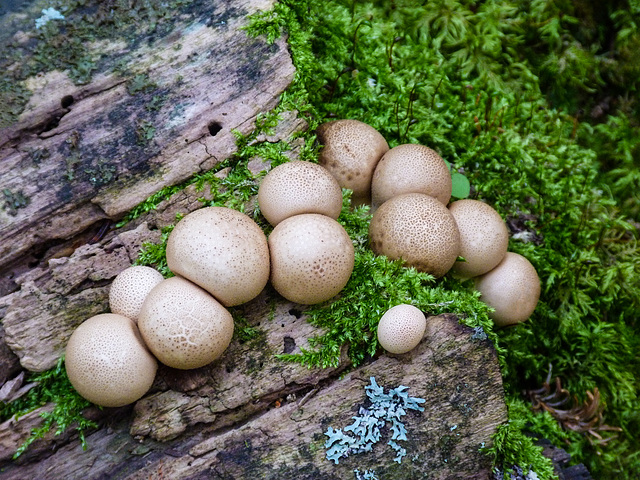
[(460, 188)]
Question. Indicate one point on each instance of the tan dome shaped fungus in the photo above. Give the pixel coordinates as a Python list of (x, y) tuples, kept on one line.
[(350, 153), (129, 289), (410, 168), (312, 258), (183, 325), (221, 250), (512, 289), (107, 361), (484, 237), (299, 187), (401, 328), (419, 230)]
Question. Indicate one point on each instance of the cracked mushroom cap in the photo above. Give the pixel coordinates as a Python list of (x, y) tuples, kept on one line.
[(221, 250), (299, 187), (351, 152), (512, 289), (312, 258), (401, 328), (410, 168), (129, 289), (419, 230), (484, 237), (183, 325), (107, 361)]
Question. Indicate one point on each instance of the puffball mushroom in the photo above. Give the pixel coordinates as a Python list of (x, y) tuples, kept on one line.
[(351, 151), (299, 187), (183, 325), (419, 230), (484, 238), (410, 168), (129, 289), (107, 361), (401, 328), (312, 258), (512, 289), (221, 250)]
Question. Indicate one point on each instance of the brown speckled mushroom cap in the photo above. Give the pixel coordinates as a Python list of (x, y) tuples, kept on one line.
[(312, 258), (299, 187), (183, 325), (401, 328), (221, 250), (129, 289), (512, 289), (410, 168), (418, 229), (107, 361), (351, 151), (484, 237)]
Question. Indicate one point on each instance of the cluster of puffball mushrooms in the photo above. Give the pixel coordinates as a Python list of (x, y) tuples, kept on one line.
[(222, 258)]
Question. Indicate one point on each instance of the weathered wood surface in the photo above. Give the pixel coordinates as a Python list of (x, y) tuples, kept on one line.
[(249, 415), (82, 153)]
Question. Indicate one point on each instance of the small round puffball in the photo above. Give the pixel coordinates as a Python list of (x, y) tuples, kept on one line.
[(312, 258), (401, 328), (130, 288), (183, 325), (512, 289), (107, 361)]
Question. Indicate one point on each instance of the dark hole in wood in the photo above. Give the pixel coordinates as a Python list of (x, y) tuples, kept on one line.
[(295, 312), (66, 101), (289, 344), (214, 128), (51, 124)]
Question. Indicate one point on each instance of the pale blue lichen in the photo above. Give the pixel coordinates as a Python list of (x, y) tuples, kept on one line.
[(365, 431), (479, 333), (366, 475), (47, 15)]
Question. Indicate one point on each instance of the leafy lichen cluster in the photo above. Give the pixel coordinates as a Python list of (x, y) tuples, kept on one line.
[(365, 431)]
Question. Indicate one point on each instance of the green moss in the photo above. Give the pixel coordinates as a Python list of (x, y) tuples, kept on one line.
[(511, 446), (53, 386), (155, 254)]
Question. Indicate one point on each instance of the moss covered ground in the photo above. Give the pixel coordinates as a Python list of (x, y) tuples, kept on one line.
[(536, 103)]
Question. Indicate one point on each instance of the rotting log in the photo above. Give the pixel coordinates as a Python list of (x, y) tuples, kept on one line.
[(248, 415)]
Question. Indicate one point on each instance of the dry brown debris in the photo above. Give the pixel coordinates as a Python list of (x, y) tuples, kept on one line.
[(585, 417)]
